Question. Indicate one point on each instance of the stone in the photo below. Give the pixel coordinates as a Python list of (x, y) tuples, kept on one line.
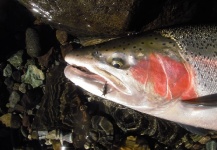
[(85, 18), (62, 37), (15, 121), (212, 145), (6, 119), (29, 62), (33, 47), (33, 76), (7, 72), (13, 99), (45, 60), (16, 75), (31, 98), (22, 88), (16, 60), (16, 86), (9, 83)]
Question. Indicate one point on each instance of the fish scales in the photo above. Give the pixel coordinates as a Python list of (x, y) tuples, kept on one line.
[(153, 72), (199, 49)]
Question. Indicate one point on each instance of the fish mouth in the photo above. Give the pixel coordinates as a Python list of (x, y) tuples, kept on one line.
[(95, 80)]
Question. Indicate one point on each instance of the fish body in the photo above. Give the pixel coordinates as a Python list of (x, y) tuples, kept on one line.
[(156, 73)]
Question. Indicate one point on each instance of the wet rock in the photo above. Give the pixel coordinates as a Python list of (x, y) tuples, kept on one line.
[(13, 21), (33, 76), (25, 132), (33, 46), (212, 145), (85, 18), (16, 86), (60, 104), (16, 75), (62, 37), (25, 120), (13, 99), (6, 119), (22, 88), (7, 72), (16, 60), (29, 62), (131, 143), (9, 83), (46, 59), (57, 63), (87, 145), (31, 98), (17, 107), (103, 127), (15, 121)]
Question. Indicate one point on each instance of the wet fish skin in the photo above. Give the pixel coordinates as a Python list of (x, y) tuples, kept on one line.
[(153, 72)]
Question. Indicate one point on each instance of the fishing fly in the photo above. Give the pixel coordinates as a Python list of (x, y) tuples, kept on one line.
[(104, 89)]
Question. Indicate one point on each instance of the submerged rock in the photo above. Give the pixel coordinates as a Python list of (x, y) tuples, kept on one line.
[(62, 37), (7, 72), (16, 75), (22, 88), (33, 46), (16, 60), (9, 83), (13, 99), (86, 18), (212, 145), (33, 76)]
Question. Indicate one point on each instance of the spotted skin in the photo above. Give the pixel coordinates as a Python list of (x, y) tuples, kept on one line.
[(158, 70), (199, 49)]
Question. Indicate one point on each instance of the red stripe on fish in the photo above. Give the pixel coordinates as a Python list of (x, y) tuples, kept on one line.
[(170, 78)]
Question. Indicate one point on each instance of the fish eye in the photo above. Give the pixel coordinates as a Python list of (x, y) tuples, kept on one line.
[(117, 62)]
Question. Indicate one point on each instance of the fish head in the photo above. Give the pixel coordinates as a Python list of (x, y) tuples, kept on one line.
[(117, 70)]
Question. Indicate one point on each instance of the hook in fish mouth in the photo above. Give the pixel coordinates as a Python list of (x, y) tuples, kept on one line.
[(95, 76)]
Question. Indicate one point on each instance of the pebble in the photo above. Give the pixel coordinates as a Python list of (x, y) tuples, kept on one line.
[(7, 72), (16, 75), (33, 46), (33, 76), (9, 83), (31, 98), (62, 37), (212, 145), (87, 145), (29, 62), (16, 60), (14, 98), (16, 86), (25, 120), (15, 121), (6, 119), (22, 88), (45, 60)]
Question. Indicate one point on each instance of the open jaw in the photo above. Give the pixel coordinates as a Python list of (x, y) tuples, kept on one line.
[(97, 81)]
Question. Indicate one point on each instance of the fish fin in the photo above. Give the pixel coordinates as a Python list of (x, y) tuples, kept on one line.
[(208, 101), (195, 130)]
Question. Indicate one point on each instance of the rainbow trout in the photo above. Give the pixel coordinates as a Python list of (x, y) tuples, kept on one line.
[(168, 73)]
